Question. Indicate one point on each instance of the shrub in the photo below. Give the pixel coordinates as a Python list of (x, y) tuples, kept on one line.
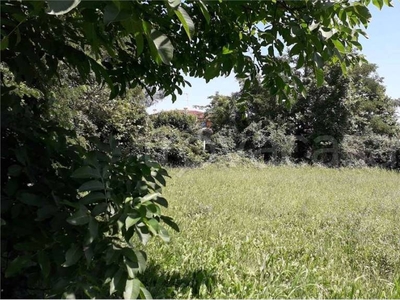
[(370, 150), (170, 146), (72, 217), (281, 144), (271, 141), (175, 119), (223, 142), (88, 238)]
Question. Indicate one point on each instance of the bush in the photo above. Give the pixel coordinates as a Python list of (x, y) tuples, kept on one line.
[(281, 144), (60, 243), (172, 147), (370, 150), (223, 142), (175, 119), (270, 142), (72, 217)]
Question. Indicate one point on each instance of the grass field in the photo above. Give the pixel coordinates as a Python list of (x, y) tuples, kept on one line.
[(279, 232)]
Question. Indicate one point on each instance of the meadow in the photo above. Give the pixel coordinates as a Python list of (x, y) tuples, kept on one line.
[(279, 232)]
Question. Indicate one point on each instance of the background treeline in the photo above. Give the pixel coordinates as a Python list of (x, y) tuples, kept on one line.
[(349, 121)]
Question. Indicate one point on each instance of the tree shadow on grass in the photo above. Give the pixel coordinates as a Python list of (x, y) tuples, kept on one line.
[(164, 284)]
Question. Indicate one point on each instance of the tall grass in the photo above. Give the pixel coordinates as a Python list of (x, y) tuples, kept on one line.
[(280, 232)]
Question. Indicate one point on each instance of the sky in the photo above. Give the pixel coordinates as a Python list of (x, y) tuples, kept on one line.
[(381, 48)]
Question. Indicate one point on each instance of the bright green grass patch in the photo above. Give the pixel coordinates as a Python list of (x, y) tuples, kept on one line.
[(279, 232)]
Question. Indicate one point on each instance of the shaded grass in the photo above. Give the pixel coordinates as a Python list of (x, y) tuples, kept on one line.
[(279, 232)]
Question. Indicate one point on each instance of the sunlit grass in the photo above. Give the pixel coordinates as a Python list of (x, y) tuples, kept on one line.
[(279, 232)]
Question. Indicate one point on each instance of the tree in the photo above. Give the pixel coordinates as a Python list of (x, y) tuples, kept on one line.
[(355, 104), (149, 43), (222, 111), (370, 107), (57, 238), (87, 110)]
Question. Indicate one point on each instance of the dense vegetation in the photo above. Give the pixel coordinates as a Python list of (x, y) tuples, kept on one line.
[(78, 196), (349, 121)]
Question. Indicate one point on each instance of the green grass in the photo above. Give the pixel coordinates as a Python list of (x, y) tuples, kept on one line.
[(279, 232)]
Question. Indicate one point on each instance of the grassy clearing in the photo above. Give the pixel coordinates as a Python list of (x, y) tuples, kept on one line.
[(280, 232)]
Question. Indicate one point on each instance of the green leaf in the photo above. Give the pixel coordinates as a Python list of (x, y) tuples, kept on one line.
[(130, 221), (69, 295), (114, 14), (46, 212), (144, 293), (204, 11), (131, 269), (143, 233), (378, 3), (80, 217), (93, 197), (300, 86), (186, 21), (44, 263), (93, 229), (139, 43), (17, 265), (88, 251), (162, 201), (136, 256), (15, 170), (146, 27), (117, 3), (163, 46), (313, 26), (212, 71), (300, 61), (93, 185), (318, 60), (32, 199), (174, 3), (271, 51), (338, 44), (116, 281), (4, 43), (149, 197), (130, 254), (357, 44), (135, 28), (153, 225), (60, 7), (226, 50), (132, 289), (18, 33), (343, 67), (99, 209), (72, 256), (164, 235), (296, 49), (86, 172), (319, 74), (388, 3), (170, 223), (161, 179), (326, 34)]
